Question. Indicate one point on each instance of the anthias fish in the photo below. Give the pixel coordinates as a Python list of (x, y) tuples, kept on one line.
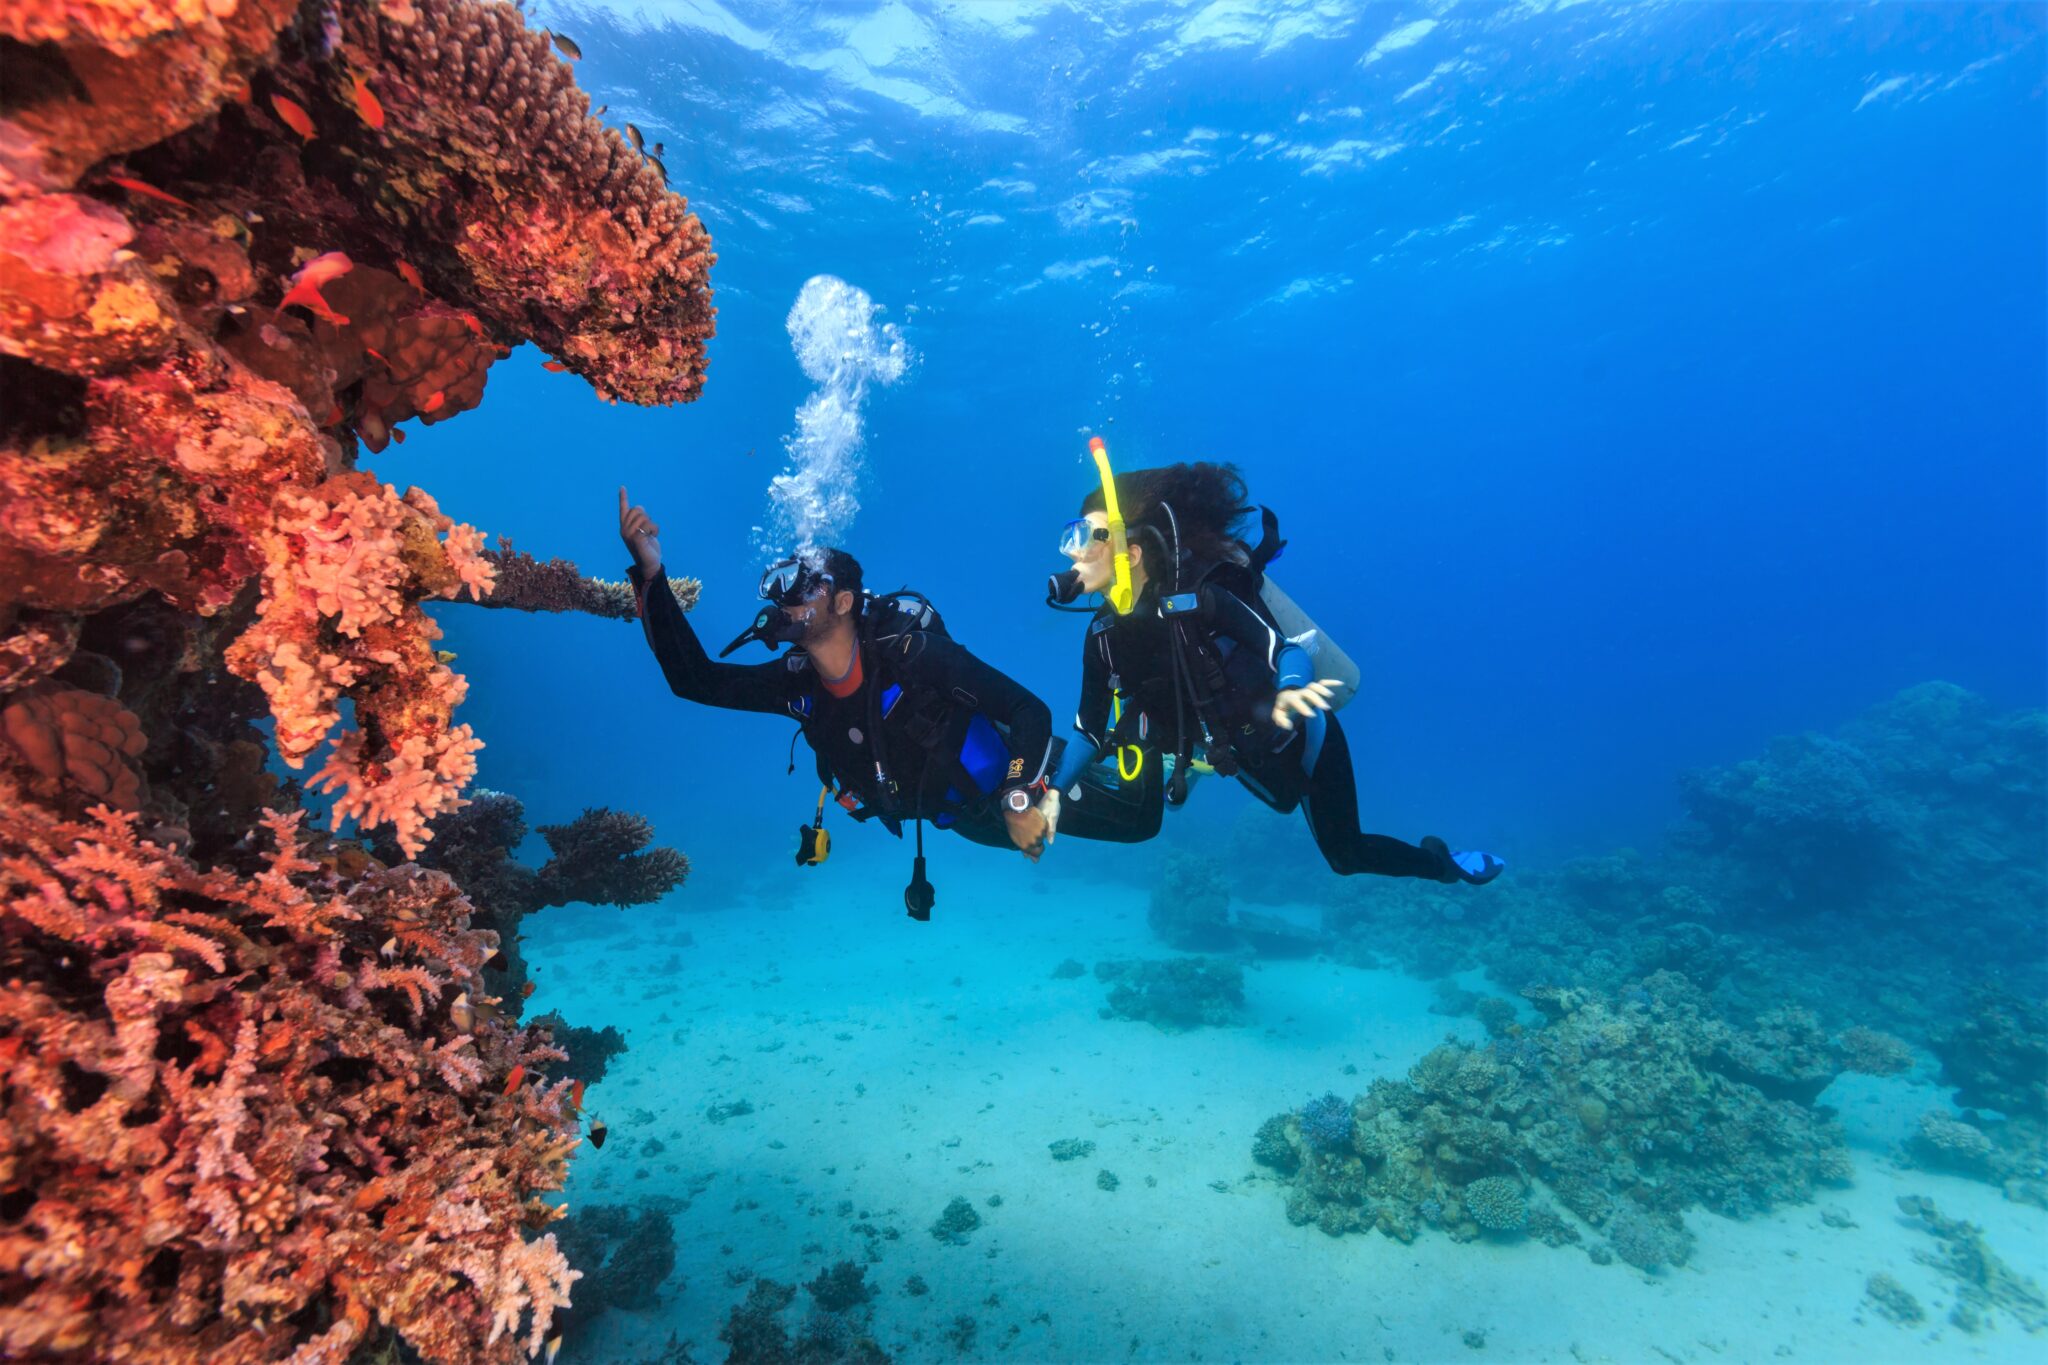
[(140, 187), (567, 47), (368, 106), (295, 117)]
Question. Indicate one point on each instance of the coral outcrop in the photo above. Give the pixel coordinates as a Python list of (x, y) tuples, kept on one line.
[(1624, 1107), (1174, 994), (322, 222)]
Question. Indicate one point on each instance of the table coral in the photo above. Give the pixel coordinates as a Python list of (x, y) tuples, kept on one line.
[(246, 1109)]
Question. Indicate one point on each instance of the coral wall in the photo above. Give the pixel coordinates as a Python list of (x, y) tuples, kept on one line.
[(259, 1101)]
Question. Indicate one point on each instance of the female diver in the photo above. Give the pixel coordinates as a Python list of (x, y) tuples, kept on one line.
[(1185, 658)]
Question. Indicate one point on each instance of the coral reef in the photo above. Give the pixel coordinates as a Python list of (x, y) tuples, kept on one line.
[(1769, 896), (958, 1220), (587, 1052), (249, 1096), (1625, 1108), (601, 857), (623, 1254), (1175, 994), (327, 222), (836, 1331), (262, 1101), (1190, 904)]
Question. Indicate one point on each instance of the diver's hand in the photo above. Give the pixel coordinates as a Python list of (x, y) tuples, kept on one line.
[(1303, 701), (1049, 807), (638, 530), (1027, 832)]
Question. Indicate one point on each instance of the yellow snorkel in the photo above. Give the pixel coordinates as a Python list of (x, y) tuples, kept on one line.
[(1120, 593)]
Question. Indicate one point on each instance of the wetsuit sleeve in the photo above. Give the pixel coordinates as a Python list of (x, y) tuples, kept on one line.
[(691, 673), (1002, 699), (1231, 618), (1091, 717)]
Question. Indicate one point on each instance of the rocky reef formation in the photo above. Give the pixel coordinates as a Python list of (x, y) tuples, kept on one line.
[(1176, 994), (1886, 880), (1629, 1109), (623, 1254), (263, 1101)]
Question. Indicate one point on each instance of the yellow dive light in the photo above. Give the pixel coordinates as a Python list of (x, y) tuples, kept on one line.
[(1121, 594)]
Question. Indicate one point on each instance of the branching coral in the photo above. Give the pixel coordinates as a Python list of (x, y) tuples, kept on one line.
[(242, 1116)]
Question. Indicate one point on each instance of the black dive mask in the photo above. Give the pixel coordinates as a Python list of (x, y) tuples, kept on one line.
[(783, 585)]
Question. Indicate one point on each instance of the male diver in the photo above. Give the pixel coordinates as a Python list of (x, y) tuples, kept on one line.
[(1185, 657), (906, 724)]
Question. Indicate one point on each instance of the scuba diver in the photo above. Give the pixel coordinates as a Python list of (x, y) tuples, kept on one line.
[(1190, 655), (906, 725)]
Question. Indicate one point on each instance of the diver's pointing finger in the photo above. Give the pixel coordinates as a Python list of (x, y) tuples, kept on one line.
[(622, 501)]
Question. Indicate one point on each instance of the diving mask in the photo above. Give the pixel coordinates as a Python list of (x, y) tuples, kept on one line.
[(784, 585), (791, 581), (1078, 535)]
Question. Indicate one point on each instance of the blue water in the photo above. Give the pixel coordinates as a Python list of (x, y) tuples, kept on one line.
[(1635, 384)]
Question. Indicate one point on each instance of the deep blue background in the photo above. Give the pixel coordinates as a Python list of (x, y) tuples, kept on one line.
[(1722, 416)]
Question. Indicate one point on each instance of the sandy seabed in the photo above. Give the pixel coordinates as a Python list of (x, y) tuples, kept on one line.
[(892, 1066)]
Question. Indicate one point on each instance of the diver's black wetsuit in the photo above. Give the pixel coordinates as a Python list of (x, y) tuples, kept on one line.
[(920, 690), (1308, 766)]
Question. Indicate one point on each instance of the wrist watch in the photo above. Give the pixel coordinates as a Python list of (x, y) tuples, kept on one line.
[(1018, 801)]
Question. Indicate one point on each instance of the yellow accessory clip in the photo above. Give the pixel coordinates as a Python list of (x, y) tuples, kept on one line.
[(813, 843), (1121, 594), (1116, 715)]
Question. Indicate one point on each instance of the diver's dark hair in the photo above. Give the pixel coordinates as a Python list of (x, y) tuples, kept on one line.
[(1208, 502), (845, 573)]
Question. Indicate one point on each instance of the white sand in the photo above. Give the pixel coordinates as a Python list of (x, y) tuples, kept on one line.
[(966, 1084)]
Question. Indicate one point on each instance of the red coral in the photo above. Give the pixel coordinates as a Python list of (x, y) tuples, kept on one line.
[(225, 1106)]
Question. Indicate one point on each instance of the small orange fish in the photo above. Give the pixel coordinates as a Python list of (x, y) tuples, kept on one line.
[(152, 191), (376, 355), (568, 47), (367, 104), (411, 277), (305, 286), (598, 1132), (433, 402), (553, 366), (576, 1098), (512, 1081), (334, 418), (398, 435), (526, 991), (295, 117), (469, 321)]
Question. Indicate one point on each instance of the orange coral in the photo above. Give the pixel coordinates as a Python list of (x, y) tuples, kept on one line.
[(76, 741), (230, 1107)]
